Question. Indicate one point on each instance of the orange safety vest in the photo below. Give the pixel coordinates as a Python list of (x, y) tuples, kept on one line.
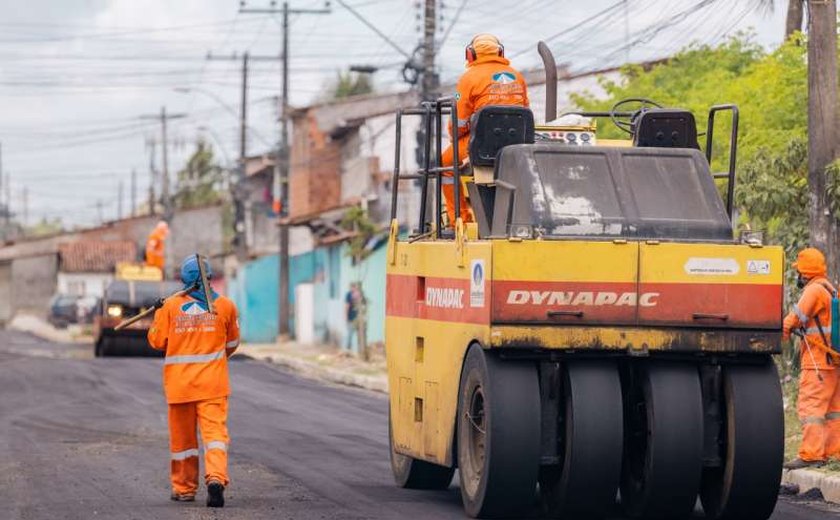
[(155, 249), (813, 313), (197, 346)]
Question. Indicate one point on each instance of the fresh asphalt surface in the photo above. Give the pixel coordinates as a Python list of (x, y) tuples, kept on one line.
[(84, 438)]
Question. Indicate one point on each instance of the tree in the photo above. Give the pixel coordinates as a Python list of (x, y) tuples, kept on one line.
[(200, 181), (45, 227), (795, 15), (362, 229), (349, 84), (823, 131)]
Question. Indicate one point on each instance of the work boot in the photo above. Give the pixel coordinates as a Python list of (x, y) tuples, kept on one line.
[(179, 497), (215, 494), (798, 463)]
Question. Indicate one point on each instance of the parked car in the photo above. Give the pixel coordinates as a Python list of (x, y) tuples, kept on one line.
[(63, 310), (124, 299)]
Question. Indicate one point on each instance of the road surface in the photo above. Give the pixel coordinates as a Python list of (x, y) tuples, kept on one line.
[(84, 438)]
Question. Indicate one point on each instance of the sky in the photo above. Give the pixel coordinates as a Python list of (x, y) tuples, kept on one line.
[(80, 80)]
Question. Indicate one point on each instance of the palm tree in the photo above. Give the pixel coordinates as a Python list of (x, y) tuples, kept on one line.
[(795, 12)]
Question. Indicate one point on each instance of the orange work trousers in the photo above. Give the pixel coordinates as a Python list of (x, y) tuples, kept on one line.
[(819, 413), (448, 182), (210, 416)]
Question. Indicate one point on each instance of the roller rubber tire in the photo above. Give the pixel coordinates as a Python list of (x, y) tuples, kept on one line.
[(747, 486), (498, 435), (663, 453), (411, 473), (585, 484)]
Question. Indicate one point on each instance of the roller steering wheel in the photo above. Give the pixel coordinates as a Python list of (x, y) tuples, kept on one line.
[(624, 121)]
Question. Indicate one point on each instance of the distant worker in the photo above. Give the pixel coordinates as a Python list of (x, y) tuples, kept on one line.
[(195, 381), (156, 244), (489, 80), (819, 379)]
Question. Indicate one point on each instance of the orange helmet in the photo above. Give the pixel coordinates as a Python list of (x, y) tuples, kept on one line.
[(484, 44), (810, 262)]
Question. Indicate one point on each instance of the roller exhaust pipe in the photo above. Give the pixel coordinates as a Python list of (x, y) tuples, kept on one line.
[(550, 81)]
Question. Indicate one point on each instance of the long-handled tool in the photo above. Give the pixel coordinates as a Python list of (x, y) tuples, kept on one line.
[(158, 304), (801, 334), (205, 284), (203, 281)]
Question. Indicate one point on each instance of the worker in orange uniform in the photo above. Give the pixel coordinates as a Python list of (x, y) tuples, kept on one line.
[(489, 80), (819, 379), (195, 381), (155, 245)]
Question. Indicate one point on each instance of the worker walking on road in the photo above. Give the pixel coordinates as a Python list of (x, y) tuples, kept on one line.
[(155, 245), (195, 380), (819, 379), (488, 80)]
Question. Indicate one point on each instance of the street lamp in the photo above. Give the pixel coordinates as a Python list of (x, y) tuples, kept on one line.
[(210, 94)]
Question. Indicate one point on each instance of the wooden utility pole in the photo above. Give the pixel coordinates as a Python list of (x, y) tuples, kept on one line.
[(120, 200), (823, 124), (282, 163), (429, 83), (165, 194), (133, 204)]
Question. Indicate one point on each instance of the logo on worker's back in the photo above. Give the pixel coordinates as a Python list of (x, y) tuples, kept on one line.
[(504, 78), (193, 309), (477, 283)]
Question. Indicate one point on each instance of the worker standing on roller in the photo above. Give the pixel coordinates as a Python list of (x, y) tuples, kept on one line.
[(155, 245), (819, 380), (489, 80), (197, 343)]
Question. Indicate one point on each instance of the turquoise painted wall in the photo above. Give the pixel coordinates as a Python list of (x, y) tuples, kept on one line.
[(254, 290)]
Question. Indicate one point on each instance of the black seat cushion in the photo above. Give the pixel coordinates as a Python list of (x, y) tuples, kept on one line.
[(496, 126)]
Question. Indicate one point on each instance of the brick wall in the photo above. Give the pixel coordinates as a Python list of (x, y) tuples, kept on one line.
[(315, 183)]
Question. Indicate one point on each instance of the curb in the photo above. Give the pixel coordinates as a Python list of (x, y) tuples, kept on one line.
[(341, 377), (806, 479)]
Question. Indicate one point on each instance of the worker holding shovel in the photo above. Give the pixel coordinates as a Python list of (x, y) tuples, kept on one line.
[(819, 380), (198, 329)]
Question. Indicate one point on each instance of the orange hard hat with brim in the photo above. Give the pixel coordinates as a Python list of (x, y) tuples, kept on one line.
[(810, 262)]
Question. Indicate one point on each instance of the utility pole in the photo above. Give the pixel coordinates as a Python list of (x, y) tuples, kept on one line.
[(282, 163), (133, 204), (152, 178), (823, 124), (168, 210), (238, 191), (120, 200), (164, 191), (429, 84), (25, 196)]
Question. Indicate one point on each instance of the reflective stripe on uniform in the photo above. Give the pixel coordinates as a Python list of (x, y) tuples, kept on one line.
[(462, 123), (216, 445), (816, 330), (181, 455), (232, 344), (799, 314), (812, 420), (195, 358), (832, 416), (447, 180)]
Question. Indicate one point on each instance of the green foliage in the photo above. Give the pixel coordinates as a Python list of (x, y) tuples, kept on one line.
[(357, 221), (45, 227), (200, 181), (771, 91), (349, 84)]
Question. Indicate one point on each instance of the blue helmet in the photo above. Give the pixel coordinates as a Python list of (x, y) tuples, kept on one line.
[(189, 270)]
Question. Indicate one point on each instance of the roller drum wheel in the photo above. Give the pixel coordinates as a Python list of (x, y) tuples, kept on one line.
[(498, 435), (663, 452), (584, 485), (411, 473), (746, 486)]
